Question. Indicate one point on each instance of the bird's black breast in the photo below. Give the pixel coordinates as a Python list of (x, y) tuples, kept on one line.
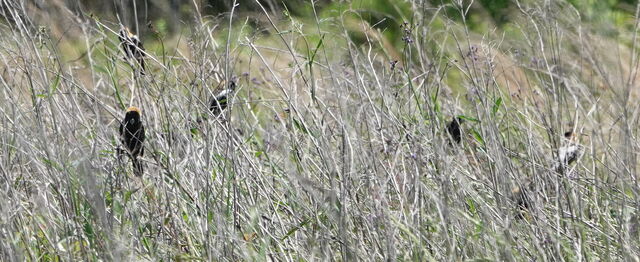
[(132, 135), (454, 130), (218, 104)]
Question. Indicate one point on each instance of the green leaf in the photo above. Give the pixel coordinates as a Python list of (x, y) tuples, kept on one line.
[(194, 131), (55, 84), (214, 175), (315, 51), (185, 217), (477, 136), (436, 104), (471, 205), (210, 215), (468, 118), (479, 228), (51, 164), (300, 126), (127, 195), (296, 228), (88, 229), (496, 106)]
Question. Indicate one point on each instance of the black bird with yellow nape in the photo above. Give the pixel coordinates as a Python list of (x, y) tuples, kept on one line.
[(132, 47), (453, 128), (132, 137)]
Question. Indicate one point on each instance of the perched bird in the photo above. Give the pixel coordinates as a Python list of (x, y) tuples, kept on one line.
[(523, 199), (132, 47), (132, 136), (219, 102), (453, 128), (569, 151)]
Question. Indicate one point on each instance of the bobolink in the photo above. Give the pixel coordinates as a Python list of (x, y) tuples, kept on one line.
[(568, 152), (453, 128), (219, 102), (132, 47), (132, 136), (523, 200)]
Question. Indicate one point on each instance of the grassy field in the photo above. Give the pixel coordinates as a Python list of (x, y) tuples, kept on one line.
[(335, 145)]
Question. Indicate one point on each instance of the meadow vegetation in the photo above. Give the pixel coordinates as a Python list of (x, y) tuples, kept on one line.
[(335, 143)]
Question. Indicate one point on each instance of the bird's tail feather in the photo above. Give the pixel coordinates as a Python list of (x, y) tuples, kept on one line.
[(143, 67), (138, 170)]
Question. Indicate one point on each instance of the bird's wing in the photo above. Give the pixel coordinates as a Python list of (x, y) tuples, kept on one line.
[(121, 129), (139, 45), (142, 135), (141, 62)]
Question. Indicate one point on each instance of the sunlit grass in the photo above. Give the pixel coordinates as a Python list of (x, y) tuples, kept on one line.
[(334, 146)]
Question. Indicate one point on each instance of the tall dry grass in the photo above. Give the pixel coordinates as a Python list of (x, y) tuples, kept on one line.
[(330, 150)]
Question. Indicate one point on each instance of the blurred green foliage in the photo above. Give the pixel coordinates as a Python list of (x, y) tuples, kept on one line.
[(386, 14), (497, 10)]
